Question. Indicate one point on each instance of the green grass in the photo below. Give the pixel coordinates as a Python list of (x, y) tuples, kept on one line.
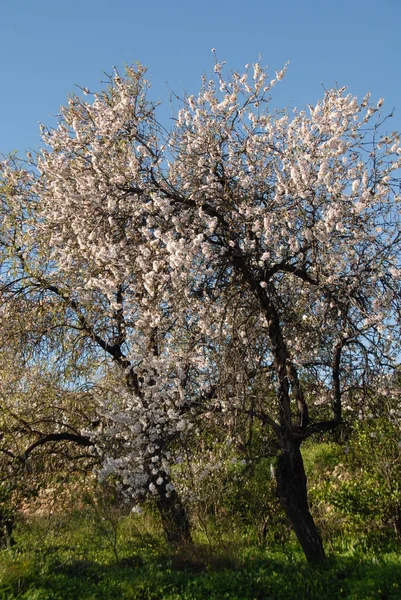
[(81, 558)]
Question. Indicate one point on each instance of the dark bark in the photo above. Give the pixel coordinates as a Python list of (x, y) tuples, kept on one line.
[(290, 474), (397, 523), (292, 492), (64, 436), (6, 530), (173, 516)]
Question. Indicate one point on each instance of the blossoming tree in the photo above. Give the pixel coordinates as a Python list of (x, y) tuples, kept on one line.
[(76, 250), (302, 212), (268, 236)]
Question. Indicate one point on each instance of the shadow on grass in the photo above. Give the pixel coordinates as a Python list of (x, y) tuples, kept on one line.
[(196, 574)]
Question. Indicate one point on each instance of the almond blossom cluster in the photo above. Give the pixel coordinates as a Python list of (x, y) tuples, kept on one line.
[(303, 209)]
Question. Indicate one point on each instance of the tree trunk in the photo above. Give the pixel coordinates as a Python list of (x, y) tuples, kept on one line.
[(6, 531), (397, 523), (174, 517), (292, 492)]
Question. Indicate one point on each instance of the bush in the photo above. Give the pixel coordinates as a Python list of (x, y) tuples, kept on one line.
[(355, 489)]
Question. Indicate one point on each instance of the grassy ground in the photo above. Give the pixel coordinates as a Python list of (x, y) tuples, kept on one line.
[(87, 558)]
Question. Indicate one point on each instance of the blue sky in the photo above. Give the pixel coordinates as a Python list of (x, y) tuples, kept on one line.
[(47, 47)]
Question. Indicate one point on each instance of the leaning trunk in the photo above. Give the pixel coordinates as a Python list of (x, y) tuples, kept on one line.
[(174, 517), (292, 492)]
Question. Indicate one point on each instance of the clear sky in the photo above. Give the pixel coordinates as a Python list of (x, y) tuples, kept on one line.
[(49, 46)]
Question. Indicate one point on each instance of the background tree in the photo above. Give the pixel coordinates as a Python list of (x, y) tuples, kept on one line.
[(41, 444)]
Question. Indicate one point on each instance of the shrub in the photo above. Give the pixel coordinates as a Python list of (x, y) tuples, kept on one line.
[(355, 489)]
